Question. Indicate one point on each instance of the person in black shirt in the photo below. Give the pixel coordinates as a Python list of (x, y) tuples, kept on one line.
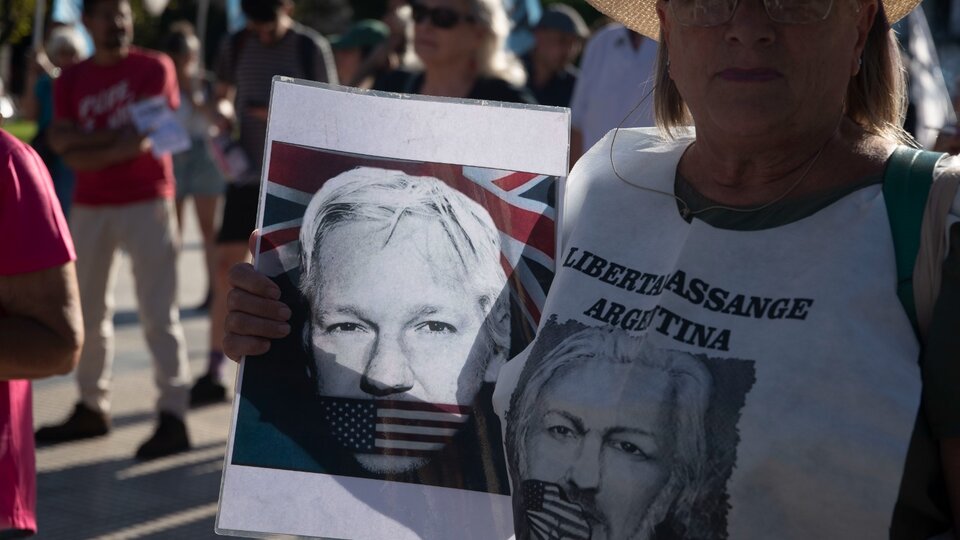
[(559, 38), (460, 46)]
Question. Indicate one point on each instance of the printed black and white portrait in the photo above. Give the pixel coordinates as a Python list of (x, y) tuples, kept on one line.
[(612, 438), (405, 316), (407, 313)]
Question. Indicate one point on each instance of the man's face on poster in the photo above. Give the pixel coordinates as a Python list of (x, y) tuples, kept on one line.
[(396, 318), (597, 432)]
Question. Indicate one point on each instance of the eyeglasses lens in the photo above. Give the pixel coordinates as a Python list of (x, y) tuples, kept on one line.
[(439, 17), (716, 12)]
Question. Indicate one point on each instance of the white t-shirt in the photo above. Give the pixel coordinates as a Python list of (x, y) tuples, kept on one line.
[(705, 382), (614, 77)]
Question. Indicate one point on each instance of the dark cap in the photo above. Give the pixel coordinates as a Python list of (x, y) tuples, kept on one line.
[(366, 33), (563, 18)]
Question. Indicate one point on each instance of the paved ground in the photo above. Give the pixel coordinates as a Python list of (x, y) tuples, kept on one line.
[(94, 489)]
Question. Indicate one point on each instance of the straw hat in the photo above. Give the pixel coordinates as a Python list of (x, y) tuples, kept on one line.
[(641, 15)]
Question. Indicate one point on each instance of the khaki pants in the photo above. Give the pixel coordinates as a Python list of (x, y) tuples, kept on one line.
[(147, 232)]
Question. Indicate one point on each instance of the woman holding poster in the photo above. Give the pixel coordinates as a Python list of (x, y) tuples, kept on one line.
[(766, 250)]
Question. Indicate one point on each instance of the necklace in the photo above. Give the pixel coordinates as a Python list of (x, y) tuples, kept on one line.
[(685, 211)]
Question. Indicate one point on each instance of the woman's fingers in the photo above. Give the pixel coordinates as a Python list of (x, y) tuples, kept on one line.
[(243, 276), (250, 335), (244, 324), (255, 315), (235, 346), (239, 300)]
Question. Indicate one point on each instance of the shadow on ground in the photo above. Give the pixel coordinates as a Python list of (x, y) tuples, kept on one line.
[(172, 497)]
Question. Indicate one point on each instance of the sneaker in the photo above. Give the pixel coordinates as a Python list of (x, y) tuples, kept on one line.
[(207, 391), (169, 438), (84, 423)]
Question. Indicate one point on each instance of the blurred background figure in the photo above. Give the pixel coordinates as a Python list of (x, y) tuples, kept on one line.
[(524, 16), (558, 39), (615, 86), (363, 52), (65, 47), (459, 51), (123, 201), (6, 104), (196, 175), (930, 109), (272, 43)]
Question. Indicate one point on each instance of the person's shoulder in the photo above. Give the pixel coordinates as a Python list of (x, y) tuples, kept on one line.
[(150, 58), (948, 170), (230, 40), (631, 146), (77, 70), (608, 33), (23, 157), (305, 32), (8, 145), (497, 89), (394, 80)]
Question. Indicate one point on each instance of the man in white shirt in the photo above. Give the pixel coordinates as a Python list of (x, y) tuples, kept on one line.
[(615, 75)]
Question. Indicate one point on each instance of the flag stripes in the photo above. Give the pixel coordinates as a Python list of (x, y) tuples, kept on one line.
[(392, 427)]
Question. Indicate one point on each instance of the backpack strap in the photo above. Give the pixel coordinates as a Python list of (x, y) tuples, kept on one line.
[(906, 187)]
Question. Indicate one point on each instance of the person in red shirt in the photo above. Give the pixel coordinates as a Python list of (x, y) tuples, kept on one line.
[(40, 325), (123, 199)]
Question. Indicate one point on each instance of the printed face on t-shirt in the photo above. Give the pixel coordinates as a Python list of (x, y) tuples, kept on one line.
[(396, 320), (597, 432)]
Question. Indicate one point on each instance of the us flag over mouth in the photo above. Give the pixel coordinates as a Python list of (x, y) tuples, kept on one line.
[(392, 427), (550, 515)]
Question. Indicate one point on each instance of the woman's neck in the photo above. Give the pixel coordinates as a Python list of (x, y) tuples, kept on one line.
[(740, 172), (449, 80)]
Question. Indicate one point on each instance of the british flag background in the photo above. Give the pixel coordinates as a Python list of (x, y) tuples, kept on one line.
[(522, 205)]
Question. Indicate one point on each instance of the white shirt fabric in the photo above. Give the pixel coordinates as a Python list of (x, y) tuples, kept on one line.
[(813, 374), (614, 77)]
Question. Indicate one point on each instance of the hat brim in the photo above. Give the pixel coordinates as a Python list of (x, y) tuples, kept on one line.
[(641, 15)]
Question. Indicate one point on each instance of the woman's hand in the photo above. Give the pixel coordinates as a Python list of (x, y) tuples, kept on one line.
[(255, 315)]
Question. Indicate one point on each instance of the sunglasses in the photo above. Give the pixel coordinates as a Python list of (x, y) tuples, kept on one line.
[(439, 17), (717, 12)]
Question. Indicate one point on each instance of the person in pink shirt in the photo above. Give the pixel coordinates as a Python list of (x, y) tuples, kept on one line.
[(41, 329)]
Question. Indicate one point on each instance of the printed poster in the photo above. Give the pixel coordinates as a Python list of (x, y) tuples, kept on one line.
[(414, 239)]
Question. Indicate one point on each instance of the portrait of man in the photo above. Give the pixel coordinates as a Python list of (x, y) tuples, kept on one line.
[(607, 440), (407, 320)]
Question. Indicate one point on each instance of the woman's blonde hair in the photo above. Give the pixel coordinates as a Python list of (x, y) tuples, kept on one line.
[(876, 97), (493, 57)]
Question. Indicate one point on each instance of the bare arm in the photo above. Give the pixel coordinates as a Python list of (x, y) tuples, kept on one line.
[(41, 331), (223, 100), (98, 149)]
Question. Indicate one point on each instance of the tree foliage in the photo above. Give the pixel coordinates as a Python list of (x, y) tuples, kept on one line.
[(16, 20)]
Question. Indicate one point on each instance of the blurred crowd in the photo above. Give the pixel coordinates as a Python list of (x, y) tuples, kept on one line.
[(117, 194)]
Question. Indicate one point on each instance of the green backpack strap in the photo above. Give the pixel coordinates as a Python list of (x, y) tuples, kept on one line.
[(906, 187)]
